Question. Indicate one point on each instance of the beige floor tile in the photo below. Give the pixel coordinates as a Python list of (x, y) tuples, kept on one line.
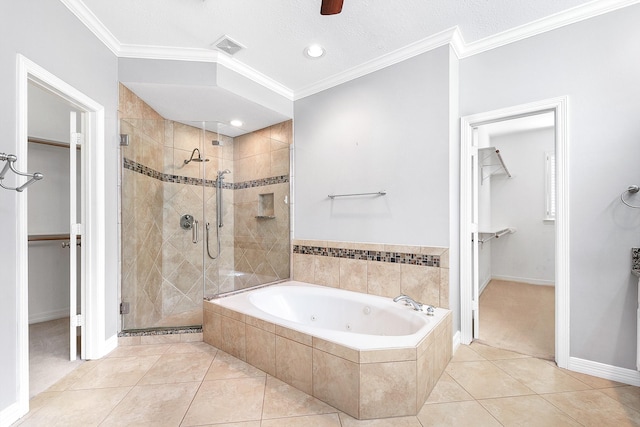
[(225, 401), (492, 353), (348, 421), (157, 405), (282, 400), (527, 411), (193, 347), (594, 408), (116, 372), (627, 395), (225, 366), (464, 353), (594, 382), (456, 414), (77, 408), (140, 350), (177, 368), (71, 378), (540, 376), (325, 420), (240, 424), (484, 380), (447, 390)]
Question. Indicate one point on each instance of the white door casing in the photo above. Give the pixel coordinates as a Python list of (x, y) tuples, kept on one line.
[(468, 222), (93, 219)]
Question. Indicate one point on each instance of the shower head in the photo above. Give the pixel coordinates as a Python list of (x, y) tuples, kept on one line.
[(222, 173), (197, 159)]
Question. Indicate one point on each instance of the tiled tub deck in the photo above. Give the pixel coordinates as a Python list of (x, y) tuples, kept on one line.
[(365, 384)]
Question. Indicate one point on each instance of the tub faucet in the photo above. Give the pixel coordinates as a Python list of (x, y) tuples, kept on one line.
[(408, 301), (417, 306)]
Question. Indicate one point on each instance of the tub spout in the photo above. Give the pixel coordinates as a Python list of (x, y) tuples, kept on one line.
[(409, 301)]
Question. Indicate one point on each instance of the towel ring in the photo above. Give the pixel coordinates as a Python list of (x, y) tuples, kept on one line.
[(632, 189)]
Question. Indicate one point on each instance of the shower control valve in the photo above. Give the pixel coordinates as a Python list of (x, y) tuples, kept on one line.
[(186, 222)]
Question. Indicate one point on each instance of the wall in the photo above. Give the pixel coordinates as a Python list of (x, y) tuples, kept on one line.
[(389, 131), (384, 270), (66, 45), (528, 255), (593, 63)]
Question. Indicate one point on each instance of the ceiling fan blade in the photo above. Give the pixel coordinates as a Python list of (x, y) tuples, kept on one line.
[(331, 7)]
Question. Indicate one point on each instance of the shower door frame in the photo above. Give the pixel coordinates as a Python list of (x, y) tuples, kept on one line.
[(468, 301)]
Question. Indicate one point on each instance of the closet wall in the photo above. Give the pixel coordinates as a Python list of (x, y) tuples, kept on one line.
[(528, 255)]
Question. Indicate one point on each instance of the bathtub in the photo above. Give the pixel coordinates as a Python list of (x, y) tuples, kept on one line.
[(364, 354)]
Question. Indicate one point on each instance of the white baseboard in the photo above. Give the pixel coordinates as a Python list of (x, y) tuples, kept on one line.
[(12, 413), (484, 285), (526, 280), (109, 345), (48, 315), (456, 341), (609, 372)]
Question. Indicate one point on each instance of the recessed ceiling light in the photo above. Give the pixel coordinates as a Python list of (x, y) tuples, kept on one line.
[(237, 123), (314, 51)]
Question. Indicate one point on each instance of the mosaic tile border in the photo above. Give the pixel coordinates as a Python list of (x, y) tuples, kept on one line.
[(635, 258), (366, 255), (178, 179), (160, 331)]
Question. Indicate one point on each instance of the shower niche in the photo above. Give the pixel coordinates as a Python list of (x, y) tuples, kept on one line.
[(266, 208), (172, 170)]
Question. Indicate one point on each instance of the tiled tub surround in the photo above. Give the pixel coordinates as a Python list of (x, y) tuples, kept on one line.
[(365, 383), (161, 267), (378, 269)]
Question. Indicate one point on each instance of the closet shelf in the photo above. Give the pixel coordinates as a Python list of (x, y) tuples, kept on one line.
[(492, 163)]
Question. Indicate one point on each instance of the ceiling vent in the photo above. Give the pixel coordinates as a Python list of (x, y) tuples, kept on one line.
[(227, 45)]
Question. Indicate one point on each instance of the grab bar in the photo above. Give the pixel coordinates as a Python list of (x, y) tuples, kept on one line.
[(377, 193), (194, 230)]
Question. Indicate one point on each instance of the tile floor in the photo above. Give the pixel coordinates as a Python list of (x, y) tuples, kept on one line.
[(194, 384), (509, 308)]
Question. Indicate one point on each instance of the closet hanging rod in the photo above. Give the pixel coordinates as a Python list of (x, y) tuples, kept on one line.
[(377, 193), (11, 159), (49, 237)]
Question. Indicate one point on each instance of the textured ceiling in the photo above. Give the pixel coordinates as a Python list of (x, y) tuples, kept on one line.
[(275, 32)]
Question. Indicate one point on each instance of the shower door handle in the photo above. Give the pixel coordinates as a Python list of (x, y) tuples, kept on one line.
[(194, 229)]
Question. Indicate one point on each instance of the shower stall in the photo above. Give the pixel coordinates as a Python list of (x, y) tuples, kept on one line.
[(202, 214)]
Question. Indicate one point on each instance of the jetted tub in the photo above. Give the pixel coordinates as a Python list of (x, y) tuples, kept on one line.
[(364, 354)]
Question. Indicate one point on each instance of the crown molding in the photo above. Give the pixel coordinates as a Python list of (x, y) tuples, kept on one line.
[(421, 46), (91, 21), (451, 36), (552, 22)]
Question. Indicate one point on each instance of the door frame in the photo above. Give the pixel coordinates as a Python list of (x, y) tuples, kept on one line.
[(467, 124), (93, 183)]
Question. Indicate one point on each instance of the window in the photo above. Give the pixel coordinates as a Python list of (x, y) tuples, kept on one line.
[(550, 186)]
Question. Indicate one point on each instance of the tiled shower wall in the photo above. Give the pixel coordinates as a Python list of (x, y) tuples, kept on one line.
[(161, 266), (385, 270), (261, 211)]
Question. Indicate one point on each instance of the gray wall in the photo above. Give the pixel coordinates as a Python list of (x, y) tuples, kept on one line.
[(48, 34), (389, 131), (595, 63)]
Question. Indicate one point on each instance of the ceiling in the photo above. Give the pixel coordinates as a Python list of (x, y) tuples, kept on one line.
[(276, 32)]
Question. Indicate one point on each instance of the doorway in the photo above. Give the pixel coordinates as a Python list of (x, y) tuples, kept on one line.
[(516, 232), (472, 233), (54, 344), (90, 223)]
